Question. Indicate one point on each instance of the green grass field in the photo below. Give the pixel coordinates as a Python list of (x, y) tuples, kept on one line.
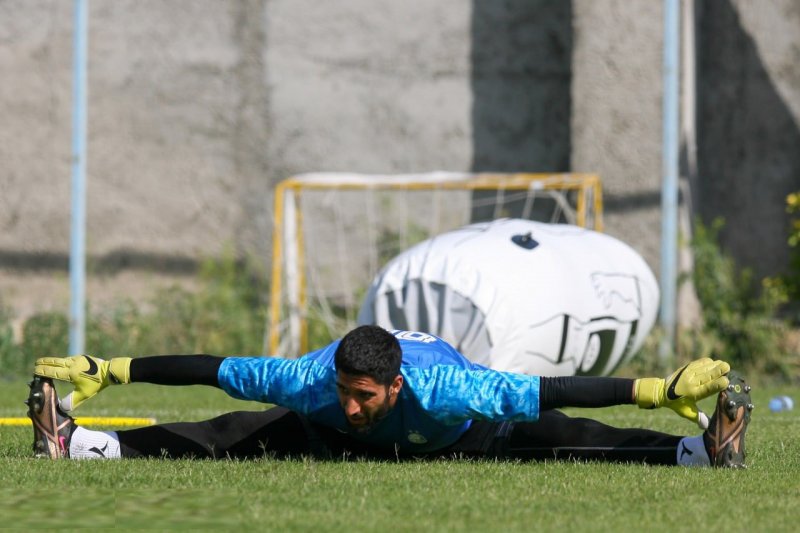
[(306, 495)]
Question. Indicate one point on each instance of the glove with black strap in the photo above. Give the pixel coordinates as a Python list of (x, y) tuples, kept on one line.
[(683, 388), (88, 374)]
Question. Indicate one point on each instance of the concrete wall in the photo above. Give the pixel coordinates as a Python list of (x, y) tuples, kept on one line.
[(198, 107), (616, 119), (176, 129), (748, 125)]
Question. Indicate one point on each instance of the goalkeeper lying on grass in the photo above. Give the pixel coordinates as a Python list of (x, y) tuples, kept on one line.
[(393, 395)]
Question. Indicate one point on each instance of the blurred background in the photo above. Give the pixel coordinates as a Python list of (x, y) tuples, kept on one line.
[(196, 109)]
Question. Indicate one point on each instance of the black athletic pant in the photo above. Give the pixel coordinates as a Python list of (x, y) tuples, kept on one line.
[(279, 432)]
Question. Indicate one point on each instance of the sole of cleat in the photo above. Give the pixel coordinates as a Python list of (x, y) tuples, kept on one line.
[(736, 408)]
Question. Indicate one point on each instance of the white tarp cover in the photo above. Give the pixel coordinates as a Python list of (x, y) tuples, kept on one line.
[(523, 296)]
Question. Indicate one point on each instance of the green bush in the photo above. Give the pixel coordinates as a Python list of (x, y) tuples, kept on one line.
[(11, 360), (791, 279), (226, 316), (740, 321)]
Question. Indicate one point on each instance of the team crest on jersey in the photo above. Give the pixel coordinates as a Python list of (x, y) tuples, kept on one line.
[(416, 437), (417, 336)]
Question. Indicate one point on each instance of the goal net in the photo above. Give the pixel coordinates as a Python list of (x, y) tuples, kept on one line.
[(334, 231)]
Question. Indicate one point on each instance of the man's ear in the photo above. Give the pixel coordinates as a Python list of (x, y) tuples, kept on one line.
[(396, 385)]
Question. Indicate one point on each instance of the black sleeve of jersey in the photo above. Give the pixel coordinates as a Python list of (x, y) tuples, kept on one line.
[(198, 369), (584, 391)]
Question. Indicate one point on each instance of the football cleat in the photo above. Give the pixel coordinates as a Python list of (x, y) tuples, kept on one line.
[(724, 438), (52, 428)]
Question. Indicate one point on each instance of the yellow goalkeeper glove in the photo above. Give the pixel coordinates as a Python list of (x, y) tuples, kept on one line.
[(88, 374), (683, 388)]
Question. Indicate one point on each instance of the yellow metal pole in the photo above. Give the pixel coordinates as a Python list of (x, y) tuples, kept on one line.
[(277, 259), (598, 204), (582, 207), (302, 300)]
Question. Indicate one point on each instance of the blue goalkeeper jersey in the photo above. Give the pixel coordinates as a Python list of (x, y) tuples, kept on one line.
[(441, 394)]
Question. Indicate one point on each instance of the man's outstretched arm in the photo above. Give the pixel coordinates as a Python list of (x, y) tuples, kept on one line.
[(455, 394), (679, 391), (198, 369), (90, 374), (697, 379)]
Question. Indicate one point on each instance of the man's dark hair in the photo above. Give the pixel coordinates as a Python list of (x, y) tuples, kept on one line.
[(369, 351)]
